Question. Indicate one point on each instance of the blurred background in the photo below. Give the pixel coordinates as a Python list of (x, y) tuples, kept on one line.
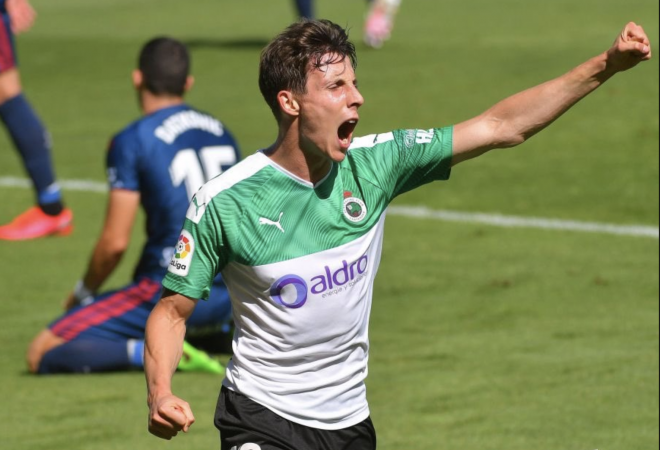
[(483, 337)]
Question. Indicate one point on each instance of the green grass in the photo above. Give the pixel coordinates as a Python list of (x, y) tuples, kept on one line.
[(482, 338)]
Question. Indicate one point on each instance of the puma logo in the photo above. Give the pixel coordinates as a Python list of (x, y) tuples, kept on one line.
[(197, 206), (264, 221)]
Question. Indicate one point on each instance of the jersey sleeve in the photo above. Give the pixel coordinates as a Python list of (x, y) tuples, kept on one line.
[(122, 162), (402, 160), (200, 253)]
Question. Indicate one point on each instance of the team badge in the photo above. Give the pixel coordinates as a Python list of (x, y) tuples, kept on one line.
[(180, 263), (409, 138), (354, 209)]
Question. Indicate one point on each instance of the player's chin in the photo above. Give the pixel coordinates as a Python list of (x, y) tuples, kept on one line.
[(339, 154)]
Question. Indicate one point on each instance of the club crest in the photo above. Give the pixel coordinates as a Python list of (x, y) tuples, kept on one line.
[(354, 209)]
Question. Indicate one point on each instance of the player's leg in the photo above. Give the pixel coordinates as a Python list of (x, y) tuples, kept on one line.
[(40, 345), (33, 144), (106, 335), (305, 8), (379, 22), (97, 336), (85, 356)]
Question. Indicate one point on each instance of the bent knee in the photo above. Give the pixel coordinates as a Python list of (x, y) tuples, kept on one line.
[(45, 341)]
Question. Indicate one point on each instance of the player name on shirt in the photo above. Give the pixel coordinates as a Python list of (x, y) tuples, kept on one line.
[(187, 120)]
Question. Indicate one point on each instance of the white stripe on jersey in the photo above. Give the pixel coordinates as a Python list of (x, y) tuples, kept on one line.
[(371, 140), (241, 171)]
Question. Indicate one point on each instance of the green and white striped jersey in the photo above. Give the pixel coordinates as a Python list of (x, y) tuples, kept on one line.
[(299, 261)]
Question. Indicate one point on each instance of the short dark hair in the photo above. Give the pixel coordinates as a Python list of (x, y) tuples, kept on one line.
[(165, 65), (290, 56)]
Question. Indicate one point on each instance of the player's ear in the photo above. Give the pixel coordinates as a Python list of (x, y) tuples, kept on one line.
[(288, 103), (190, 82), (138, 78)]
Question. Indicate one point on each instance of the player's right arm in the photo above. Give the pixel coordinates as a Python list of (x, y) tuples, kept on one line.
[(165, 331)]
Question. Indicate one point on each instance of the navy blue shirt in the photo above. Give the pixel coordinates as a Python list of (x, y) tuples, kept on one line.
[(166, 157)]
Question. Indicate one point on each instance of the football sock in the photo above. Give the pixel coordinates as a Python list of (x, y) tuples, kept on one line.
[(33, 144), (305, 9), (85, 356), (135, 350)]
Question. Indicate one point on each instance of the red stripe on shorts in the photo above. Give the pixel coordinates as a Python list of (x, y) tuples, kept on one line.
[(106, 309), (6, 51)]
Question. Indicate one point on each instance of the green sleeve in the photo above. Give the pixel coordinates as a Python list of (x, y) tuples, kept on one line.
[(198, 257), (405, 159)]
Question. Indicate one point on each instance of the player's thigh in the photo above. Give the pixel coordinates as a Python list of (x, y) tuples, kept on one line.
[(10, 82), (116, 315)]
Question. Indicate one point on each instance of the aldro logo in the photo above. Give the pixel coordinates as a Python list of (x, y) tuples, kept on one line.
[(354, 209), (180, 262), (292, 291)]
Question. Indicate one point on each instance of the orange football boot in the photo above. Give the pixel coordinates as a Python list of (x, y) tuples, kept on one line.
[(34, 223)]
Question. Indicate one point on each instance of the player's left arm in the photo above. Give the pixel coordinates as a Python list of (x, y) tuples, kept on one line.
[(519, 117), (115, 237)]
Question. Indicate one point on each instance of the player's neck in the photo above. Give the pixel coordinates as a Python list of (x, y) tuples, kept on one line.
[(307, 165), (151, 103)]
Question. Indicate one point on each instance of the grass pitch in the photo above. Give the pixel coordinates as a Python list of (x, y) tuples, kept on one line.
[(482, 338)]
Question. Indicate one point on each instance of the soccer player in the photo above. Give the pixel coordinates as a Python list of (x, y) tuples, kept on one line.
[(296, 231), (30, 138), (378, 25), (304, 8), (380, 21), (158, 162)]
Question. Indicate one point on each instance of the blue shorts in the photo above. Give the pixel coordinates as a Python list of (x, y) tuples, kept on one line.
[(7, 48), (122, 314)]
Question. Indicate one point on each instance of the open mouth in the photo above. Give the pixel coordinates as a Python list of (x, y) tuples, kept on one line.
[(345, 132)]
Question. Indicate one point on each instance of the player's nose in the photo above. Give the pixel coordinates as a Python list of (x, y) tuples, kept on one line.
[(355, 97)]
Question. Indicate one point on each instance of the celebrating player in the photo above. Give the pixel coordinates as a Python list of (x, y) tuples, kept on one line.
[(296, 230), (30, 138), (158, 162)]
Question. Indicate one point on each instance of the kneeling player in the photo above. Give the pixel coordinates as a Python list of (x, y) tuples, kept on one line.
[(158, 162)]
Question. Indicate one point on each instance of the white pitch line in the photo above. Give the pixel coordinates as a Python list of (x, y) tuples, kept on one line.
[(425, 213), (524, 222), (69, 185)]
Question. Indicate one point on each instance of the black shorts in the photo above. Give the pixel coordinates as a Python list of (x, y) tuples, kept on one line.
[(246, 425)]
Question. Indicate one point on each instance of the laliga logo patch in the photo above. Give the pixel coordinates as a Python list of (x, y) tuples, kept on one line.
[(247, 447), (180, 262), (354, 209)]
